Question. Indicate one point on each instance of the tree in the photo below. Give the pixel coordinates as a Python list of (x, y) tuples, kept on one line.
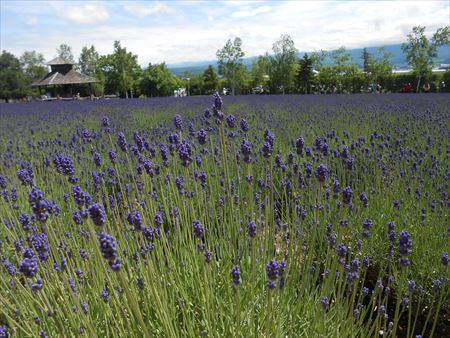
[(282, 63), (304, 74), (367, 60), (210, 80), (33, 65), (88, 62), (65, 51), (13, 81), (260, 71), (157, 80), (420, 51), (230, 62), (120, 70)]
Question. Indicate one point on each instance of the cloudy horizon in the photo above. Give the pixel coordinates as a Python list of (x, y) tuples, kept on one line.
[(190, 31)]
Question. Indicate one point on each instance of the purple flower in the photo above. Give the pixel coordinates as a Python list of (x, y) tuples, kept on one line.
[(272, 273), (135, 219), (325, 303), (236, 275), (37, 285), (246, 150), (217, 102), (108, 246), (199, 230), (364, 199), (64, 165), (29, 266), (97, 213), (322, 172), (201, 136), (105, 121), (244, 125), (252, 229), (121, 140), (25, 177), (300, 144), (445, 259), (178, 121), (347, 195), (231, 121), (185, 153)]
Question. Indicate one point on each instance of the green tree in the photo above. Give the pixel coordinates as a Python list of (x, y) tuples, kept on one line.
[(260, 71), (13, 81), (282, 64), (65, 51), (305, 74), (88, 62), (33, 64), (367, 60), (120, 71), (381, 66), (230, 62), (158, 80), (420, 51), (210, 80)]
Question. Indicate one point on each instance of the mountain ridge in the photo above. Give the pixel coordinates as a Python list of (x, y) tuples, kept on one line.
[(398, 59)]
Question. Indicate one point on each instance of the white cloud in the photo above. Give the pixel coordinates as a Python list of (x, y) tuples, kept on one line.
[(31, 21), (196, 31), (86, 14), (252, 12), (143, 10)]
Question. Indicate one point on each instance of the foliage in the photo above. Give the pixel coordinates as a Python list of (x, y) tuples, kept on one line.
[(305, 74), (65, 51), (230, 62), (420, 51), (282, 64), (120, 71), (33, 64), (13, 81), (157, 80), (260, 71), (210, 80)]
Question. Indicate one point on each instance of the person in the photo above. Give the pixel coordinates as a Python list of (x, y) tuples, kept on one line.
[(426, 87), (442, 87)]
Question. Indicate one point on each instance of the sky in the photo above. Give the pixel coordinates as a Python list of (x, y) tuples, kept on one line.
[(183, 31)]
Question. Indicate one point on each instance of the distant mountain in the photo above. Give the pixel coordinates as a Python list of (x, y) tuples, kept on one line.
[(398, 59)]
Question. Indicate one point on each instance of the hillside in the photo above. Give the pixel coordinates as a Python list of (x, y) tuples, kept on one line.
[(398, 59)]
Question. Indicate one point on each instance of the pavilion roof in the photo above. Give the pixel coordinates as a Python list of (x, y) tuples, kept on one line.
[(60, 61), (71, 77)]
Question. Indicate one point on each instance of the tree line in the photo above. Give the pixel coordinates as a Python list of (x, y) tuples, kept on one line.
[(280, 71)]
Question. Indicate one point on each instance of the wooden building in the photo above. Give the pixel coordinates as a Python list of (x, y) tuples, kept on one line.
[(63, 80)]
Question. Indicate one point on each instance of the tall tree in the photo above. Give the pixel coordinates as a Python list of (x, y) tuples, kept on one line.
[(230, 62), (282, 63), (305, 74), (367, 60), (33, 64), (88, 62), (157, 80), (210, 80), (13, 81), (120, 70), (260, 71), (65, 51), (420, 51)]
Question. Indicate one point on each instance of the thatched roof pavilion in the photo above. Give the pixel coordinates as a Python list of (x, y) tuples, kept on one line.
[(63, 74)]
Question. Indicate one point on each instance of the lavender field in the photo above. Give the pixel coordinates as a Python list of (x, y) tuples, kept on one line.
[(246, 216)]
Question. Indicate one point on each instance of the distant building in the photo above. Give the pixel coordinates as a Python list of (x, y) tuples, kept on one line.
[(62, 79)]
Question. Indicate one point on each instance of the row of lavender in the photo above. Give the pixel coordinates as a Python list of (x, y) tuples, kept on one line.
[(271, 216)]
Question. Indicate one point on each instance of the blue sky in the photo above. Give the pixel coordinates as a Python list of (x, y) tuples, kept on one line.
[(179, 31)]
